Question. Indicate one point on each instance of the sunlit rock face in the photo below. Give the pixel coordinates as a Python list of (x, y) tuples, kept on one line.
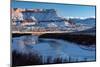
[(41, 17)]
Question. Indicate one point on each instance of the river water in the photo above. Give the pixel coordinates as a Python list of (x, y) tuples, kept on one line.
[(52, 47)]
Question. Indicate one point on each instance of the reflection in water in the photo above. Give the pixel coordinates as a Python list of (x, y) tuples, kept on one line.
[(30, 40), (52, 48)]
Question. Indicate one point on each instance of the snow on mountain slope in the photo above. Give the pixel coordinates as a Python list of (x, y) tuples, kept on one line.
[(87, 21), (45, 14), (54, 48), (43, 17)]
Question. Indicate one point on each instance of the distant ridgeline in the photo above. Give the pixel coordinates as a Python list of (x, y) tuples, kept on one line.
[(39, 17)]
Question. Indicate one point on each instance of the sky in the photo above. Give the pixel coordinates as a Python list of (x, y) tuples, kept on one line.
[(63, 10)]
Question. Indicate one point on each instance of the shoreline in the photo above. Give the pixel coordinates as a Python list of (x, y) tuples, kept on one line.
[(71, 37)]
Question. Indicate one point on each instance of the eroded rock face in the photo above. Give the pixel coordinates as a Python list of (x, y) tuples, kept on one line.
[(41, 17)]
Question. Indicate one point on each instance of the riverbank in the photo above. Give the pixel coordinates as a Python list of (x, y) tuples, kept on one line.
[(76, 38), (82, 39)]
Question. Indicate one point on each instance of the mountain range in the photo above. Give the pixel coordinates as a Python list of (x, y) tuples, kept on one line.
[(87, 21)]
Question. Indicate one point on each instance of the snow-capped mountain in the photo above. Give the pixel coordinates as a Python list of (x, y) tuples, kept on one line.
[(42, 17), (86, 21), (49, 18)]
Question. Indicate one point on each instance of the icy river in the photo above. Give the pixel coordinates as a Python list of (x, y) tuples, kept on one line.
[(53, 48)]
